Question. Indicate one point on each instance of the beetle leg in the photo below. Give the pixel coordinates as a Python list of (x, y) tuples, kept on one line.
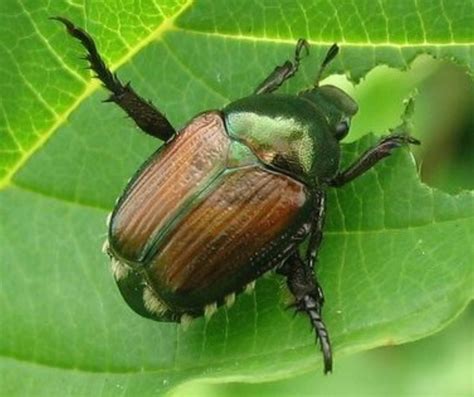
[(283, 72), (316, 231), (371, 157), (309, 299), (146, 116)]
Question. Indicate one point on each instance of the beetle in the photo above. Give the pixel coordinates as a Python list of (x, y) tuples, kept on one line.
[(232, 195)]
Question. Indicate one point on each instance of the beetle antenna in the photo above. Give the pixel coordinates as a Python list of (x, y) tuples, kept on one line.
[(331, 54)]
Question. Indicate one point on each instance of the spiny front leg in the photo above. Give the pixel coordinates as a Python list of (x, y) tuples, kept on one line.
[(146, 116), (283, 72), (372, 156), (309, 299)]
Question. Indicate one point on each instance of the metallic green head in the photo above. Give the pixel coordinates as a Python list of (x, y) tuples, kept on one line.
[(338, 107), (335, 104)]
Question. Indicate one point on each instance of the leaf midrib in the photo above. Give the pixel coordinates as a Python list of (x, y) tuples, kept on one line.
[(279, 40)]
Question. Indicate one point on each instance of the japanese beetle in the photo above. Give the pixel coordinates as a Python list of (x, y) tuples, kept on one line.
[(231, 196)]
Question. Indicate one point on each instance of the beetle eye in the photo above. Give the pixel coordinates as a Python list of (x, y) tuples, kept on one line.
[(342, 129)]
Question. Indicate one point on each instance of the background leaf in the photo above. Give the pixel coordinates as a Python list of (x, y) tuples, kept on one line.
[(397, 258), (433, 366)]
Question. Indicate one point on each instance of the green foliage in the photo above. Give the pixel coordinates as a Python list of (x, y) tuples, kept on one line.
[(397, 258), (440, 365)]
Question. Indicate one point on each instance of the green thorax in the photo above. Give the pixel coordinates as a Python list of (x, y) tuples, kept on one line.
[(287, 133)]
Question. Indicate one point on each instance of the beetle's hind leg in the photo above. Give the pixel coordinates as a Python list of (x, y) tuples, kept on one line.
[(283, 72), (309, 299), (146, 116)]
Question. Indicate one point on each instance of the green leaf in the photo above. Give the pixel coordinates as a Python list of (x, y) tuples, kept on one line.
[(440, 365), (397, 260)]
